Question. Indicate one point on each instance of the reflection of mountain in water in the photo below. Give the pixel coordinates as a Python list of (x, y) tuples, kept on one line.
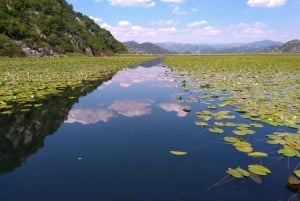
[(23, 133)]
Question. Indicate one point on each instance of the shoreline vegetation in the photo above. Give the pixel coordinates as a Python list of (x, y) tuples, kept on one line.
[(25, 83)]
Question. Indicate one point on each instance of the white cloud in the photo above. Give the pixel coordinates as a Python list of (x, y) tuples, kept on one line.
[(105, 26), (134, 3), (170, 22), (196, 23), (98, 0), (96, 19), (266, 3), (241, 32), (167, 30), (194, 10), (257, 30), (176, 10), (210, 31), (124, 23), (125, 31)]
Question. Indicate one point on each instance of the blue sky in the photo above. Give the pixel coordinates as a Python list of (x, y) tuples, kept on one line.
[(195, 21)]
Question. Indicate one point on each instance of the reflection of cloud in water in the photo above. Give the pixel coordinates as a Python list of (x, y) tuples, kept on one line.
[(89, 116), (132, 108), (173, 107), (128, 77)]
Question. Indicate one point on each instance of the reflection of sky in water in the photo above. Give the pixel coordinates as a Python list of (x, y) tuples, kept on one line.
[(131, 108), (130, 93), (173, 107), (137, 75), (89, 116)]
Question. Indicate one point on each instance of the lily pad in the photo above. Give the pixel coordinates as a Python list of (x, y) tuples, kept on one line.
[(201, 123), (215, 129), (245, 149), (178, 153), (259, 169), (257, 125), (297, 173), (235, 173), (224, 124), (244, 132), (231, 139), (243, 172), (288, 152), (258, 154)]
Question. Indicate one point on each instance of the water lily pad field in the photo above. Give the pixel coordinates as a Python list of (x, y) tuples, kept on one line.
[(177, 128), (26, 83)]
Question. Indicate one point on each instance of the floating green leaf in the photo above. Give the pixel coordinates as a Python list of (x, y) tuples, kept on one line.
[(215, 129), (231, 139), (297, 173), (224, 123), (201, 123), (257, 125), (258, 154), (235, 173), (243, 172), (245, 149), (178, 153), (288, 152), (259, 169), (243, 131)]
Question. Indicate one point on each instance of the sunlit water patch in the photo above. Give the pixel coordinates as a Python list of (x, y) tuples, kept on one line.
[(147, 135)]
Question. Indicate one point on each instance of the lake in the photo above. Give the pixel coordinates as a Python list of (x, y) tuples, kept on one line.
[(114, 143)]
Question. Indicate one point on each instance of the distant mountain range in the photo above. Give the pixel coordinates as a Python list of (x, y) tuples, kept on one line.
[(292, 46), (145, 48), (267, 46)]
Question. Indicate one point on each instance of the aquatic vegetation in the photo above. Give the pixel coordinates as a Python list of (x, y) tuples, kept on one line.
[(259, 169), (25, 83), (290, 143), (263, 88), (258, 154), (238, 172), (215, 129), (178, 153)]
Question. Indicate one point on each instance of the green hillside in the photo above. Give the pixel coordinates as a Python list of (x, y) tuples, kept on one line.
[(50, 27)]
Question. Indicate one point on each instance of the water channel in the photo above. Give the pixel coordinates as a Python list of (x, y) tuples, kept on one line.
[(113, 144)]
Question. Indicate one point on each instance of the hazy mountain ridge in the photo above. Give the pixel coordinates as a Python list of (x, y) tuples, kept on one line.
[(50, 27), (146, 47), (251, 47), (292, 46)]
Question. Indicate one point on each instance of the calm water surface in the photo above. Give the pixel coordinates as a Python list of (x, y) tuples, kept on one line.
[(114, 146)]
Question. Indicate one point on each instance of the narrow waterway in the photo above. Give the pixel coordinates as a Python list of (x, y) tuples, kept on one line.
[(115, 145)]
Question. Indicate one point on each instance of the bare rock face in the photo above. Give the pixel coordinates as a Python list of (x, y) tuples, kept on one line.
[(88, 51), (38, 52)]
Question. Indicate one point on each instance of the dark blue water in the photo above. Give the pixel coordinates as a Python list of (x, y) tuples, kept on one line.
[(114, 146)]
